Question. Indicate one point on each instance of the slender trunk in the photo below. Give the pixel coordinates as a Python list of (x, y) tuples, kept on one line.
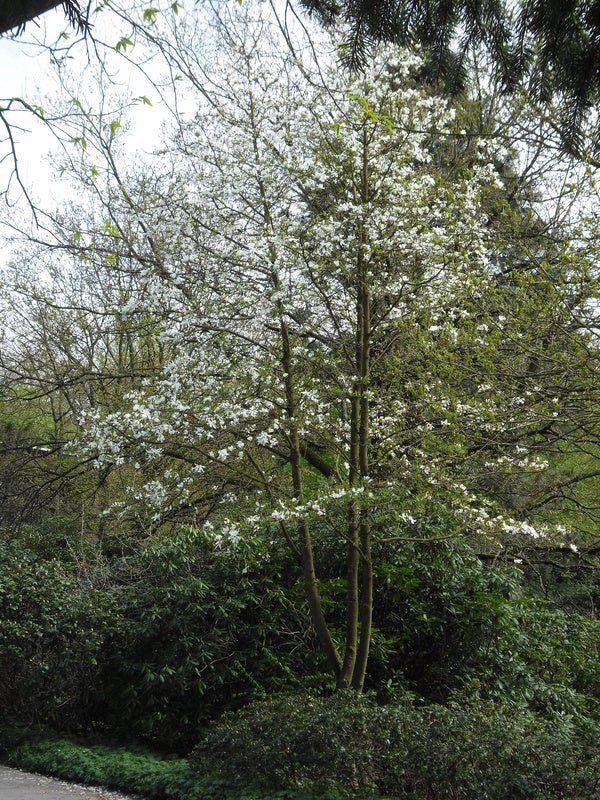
[(311, 586), (352, 568), (363, 366)]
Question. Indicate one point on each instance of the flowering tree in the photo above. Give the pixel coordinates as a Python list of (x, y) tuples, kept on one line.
[(358, 341)]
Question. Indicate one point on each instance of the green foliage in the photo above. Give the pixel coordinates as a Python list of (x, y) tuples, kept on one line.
[(139, 771), (50, 636), (153, 645), (199, 630), (502, 753), (300, 742), (117, 768), (123, 44), (446, 624), (166, 638), (53, 538), (349, 744)]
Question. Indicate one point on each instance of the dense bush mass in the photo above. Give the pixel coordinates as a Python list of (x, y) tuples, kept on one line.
[(52, 631), (351, 745), (153, 644), (160, 641)]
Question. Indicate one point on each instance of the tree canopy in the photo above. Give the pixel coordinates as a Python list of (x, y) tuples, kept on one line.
[(553, 47)]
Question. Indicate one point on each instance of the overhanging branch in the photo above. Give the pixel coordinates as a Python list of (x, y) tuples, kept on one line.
[(15, 15)]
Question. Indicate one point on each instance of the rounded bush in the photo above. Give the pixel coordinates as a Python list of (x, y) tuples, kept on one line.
[(348, 744), (338, 743)]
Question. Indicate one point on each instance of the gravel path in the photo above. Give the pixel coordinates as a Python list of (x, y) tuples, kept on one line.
[(17, 785)]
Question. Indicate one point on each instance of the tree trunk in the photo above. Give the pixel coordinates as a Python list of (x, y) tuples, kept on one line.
[(363, 358)]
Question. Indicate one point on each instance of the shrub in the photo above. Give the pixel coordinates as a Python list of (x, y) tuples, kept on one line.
[(198, 630), (338, 743), (152, 645), (51, 632), (348, 744), (494, 752), (444, 622)]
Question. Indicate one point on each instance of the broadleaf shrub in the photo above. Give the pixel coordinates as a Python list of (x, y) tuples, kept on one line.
[(351, 745), (198, 630), (302, 742), (51, 635)]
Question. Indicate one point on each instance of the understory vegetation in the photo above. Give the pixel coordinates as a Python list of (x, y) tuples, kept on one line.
[(300, 432), (488, 680)]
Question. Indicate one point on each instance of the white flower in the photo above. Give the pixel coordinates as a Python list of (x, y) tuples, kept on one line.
[(338, 493), (265, 439)]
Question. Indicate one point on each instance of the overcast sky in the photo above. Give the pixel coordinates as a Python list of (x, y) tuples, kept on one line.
[(25, 71)]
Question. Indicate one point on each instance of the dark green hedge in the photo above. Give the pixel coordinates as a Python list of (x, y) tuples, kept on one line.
[(350, 744)]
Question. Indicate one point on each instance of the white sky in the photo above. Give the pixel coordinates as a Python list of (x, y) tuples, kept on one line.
[(26, 71), (23, 73)]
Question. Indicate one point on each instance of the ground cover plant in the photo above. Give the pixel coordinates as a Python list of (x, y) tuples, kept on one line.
[(138, 771)]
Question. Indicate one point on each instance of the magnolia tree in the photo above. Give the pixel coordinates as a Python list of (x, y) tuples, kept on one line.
[(359, 341)]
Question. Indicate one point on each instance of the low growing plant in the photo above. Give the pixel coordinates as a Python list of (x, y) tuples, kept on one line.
[(137, 771)]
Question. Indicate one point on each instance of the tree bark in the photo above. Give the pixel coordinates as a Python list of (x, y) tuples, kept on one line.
[(363, 364)]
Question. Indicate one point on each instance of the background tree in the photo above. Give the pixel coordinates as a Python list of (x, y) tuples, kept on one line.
[(550, 47)]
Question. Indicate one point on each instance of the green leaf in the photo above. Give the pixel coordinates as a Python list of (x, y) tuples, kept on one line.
[(123, 44), (149, 14), (370, 112), (145, 100), (108, 226), (114, 125), (81, 140)]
